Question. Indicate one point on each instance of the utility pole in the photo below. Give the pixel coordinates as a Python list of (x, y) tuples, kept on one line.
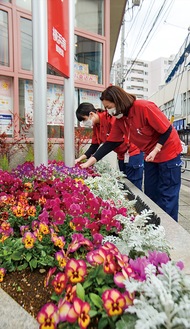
[(122, 52)]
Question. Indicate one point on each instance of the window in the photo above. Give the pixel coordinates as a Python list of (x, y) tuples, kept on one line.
[(89, 15), (88, 60), (25, 4), (26, 44), (55, 109), (4, 40), (6, 105)]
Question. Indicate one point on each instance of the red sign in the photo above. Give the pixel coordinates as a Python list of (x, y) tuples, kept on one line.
[(58, 35)]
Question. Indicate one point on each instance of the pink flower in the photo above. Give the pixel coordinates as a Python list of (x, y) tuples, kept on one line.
[(70, 293), (44, 217), (29, 240), (59, 283), (80, 222), (104, 257), (48, 316), (94, 227), (67, 312), (82, 310), (61, 258), (97, 239), (2, 273), (180, 265), (129, 298), (75, 210), (48, 276), (76, 270), (77, 241), (156, 258), (58, 241), (23, 229), (59, 217), (114, 302), (6, 229), (120, 277)]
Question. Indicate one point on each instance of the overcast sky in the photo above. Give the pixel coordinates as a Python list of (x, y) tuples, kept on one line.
[(150, 35)]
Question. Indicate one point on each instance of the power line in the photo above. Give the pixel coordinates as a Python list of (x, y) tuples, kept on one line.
[(148, 35)]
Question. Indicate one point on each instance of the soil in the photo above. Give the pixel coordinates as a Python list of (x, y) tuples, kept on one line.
[(27, 289)]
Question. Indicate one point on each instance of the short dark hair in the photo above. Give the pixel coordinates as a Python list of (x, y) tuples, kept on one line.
[(84, 109)]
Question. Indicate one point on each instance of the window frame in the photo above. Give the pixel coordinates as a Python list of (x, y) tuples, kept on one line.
[(29, 17), (10, 40), (99, 39)]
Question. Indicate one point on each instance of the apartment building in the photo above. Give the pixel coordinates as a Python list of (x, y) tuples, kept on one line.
[(142, 78)]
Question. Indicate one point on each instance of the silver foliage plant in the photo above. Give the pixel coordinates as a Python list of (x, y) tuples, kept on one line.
[(164, 300), (109, 186), (136, 235), (139, 237)]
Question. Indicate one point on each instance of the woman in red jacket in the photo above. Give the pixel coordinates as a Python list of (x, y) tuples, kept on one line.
[(147, 127), (130, 158)]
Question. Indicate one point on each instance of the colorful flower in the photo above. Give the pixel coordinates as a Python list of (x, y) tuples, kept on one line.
[(82, 310), (48, 276), (28, 240), (2, 273), (48, 316), (61, 258), (76, 270), (114, 302), (59, 283)]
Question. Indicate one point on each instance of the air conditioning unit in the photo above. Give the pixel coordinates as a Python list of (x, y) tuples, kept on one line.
[(136, 2)]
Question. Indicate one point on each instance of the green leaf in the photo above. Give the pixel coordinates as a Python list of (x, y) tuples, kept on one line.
[(100, 280), (92, 313), (22, 267), (28, 257), (102, 323), (96, 300), (33, 263), (43, 253), (80, 291), (87, 284), (55, 297), (17, 255)]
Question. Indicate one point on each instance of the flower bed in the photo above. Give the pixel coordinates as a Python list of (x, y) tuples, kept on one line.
[(107, 267)]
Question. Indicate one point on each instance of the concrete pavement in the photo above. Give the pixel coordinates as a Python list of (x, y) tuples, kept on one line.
[(184, 201)]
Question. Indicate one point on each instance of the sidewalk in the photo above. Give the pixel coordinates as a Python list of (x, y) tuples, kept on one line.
[(184, 200)]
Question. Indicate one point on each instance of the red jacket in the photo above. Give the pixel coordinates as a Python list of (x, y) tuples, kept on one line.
[(144, 125), (102, 130)]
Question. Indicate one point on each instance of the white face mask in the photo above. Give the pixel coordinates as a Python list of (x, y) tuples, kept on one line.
[(120, 115), (112, 111), (86, 124)]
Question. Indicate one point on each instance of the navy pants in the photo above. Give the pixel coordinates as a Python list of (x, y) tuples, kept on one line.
[(133, 169), (162, 183)]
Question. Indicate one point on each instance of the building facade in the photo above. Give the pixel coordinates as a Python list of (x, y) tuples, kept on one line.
[(142, 78), (174, 96), (92, 66)]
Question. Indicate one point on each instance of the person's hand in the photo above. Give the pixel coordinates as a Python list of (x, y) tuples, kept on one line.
[(77, 160), (88, 163), (84, 165), (151, 156), (82, 157)]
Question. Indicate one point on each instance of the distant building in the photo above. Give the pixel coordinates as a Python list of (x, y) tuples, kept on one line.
[(142, 78), (174, 96)]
